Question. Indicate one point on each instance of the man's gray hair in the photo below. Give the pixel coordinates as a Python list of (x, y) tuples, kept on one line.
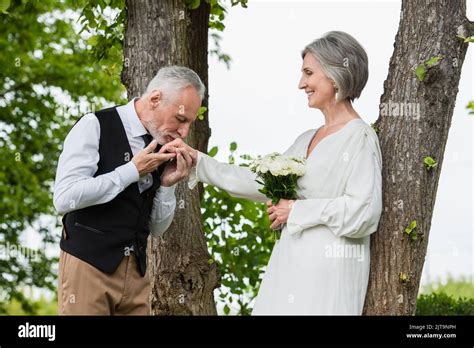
[(172, 79), (343, 60)]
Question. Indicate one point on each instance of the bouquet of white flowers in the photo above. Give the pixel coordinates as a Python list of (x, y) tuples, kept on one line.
[(278, 175)]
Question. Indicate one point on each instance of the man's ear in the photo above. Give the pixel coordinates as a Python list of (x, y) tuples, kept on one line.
[(155, 98)]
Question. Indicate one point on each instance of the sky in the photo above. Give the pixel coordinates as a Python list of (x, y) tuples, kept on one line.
[(257, 104)]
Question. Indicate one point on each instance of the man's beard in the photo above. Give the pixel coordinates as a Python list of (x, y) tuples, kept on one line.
[(162, 137)]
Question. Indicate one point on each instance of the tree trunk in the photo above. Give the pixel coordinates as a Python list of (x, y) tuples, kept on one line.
[(414, 122), (158, 34)]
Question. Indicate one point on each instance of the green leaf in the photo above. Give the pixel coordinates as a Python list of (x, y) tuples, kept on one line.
[(193, 4), (4, 5), (374, 127), (233, 146), (411, 230), (226, 310), (420, 71), (470, 106), (217, 25), (429, 162), (201, 112), (212, 152), (93, 40), (469, 39), (432, 61)]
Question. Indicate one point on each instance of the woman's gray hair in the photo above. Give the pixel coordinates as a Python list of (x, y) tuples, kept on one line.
[(172, 79), (343, 60)]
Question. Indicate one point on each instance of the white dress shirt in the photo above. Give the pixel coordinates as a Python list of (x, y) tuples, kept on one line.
[(76, 188)]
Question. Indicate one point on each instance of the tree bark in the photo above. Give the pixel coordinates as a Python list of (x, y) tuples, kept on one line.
[(158, 34), (427, 29)]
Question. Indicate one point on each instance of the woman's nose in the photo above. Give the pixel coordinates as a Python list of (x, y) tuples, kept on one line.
[(302, 84)]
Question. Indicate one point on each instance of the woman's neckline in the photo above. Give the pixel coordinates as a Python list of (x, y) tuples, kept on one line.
[(327, 136)]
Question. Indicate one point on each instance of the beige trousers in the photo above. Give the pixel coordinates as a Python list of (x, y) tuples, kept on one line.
[(85, 290)]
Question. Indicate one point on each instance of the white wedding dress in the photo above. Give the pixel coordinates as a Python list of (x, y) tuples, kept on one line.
[(321, 263)]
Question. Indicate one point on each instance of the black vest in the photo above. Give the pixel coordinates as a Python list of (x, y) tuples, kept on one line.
[(102, 234)]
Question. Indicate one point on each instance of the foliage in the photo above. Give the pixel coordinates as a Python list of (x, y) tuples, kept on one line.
[(41, 306), (421, 69), (443, 304), (46, 67), (470, 107), (239, 240), (429, 163), (202, 110), (469, 39), (411, 230), (403, 277), (374, 127), (217, 11), (452, 297), (104, 20), (460, 287)]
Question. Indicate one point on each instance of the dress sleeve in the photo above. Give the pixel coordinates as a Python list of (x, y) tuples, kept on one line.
[(357, 211), (237, 181)]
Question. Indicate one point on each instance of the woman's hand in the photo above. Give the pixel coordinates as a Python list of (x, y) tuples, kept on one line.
[(279, 213), (178, 169), (179, 144)]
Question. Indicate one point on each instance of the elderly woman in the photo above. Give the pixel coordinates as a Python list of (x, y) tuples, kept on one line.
[(321, 263)]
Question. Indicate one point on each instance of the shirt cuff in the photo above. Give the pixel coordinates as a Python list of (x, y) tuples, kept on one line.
[(292, 225), (166, 193), (128, 173), (193, 177)]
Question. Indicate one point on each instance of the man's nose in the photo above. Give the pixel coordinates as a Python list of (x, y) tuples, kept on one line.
[(183, 131)]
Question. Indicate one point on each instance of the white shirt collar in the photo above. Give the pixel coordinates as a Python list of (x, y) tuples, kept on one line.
[(136, 127)]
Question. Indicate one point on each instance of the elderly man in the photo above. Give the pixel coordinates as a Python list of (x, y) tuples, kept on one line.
[(115, 186)]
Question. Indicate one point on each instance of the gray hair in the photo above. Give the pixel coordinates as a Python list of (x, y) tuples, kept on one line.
[(343, 60), (174, 78)]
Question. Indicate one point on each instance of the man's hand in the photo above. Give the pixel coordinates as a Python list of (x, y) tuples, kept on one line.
[(147, 161)]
